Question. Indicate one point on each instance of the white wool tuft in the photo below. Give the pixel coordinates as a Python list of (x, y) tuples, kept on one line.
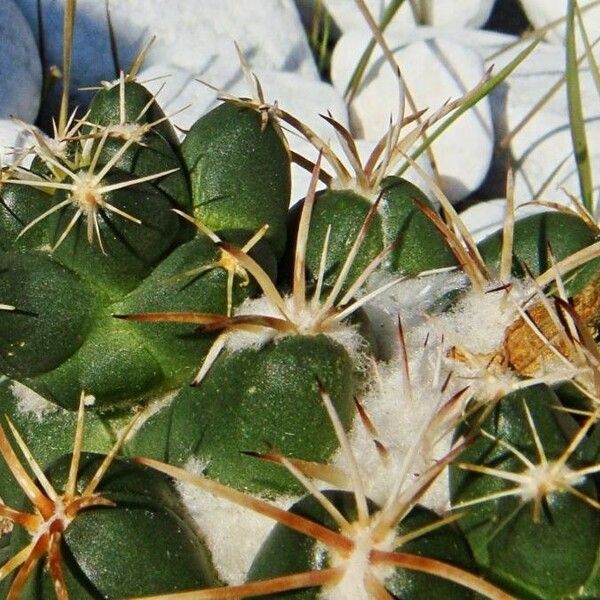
[(357, 567), (403, 410), (410, 301), (30, 403), (232, 533), (349, 337), (344, 334), (402, 414), (479, 320), (352, 583), (413, 297), (240, 340)]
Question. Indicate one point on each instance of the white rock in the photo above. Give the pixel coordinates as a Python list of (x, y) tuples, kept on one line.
[(20, 68), (547, 169), (542, 148), (434, 71), (542, 12), (178, 88), (348, 18), (305, 98), (456, 13), (14, 139), (352, 44), (493, 48), (441, 13), (190, 35), (484, 218)]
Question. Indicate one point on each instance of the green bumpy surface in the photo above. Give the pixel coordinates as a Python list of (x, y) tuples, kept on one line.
[(555, 557), (255, 401), (63, 337), (145, 544), (535, 237), (286, 552), (233, 175), (233, 190)]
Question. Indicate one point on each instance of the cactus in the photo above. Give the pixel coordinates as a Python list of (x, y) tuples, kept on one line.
[(195, 393)]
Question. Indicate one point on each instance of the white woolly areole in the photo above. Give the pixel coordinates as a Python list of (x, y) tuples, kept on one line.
[(357, 566), (30, 403), (403, 414), (478, 321), (241, 340), (342, 333), (233, 534), (413, 297), (410, 300)]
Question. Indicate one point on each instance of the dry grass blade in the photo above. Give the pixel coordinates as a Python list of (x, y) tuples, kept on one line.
[(68, 25), (354, 84)]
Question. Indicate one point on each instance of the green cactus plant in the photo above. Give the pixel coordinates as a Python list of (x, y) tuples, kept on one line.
[(222, 352)]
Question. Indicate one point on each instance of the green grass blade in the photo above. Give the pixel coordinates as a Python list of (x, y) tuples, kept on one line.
[(589, 47), (576, 117), (112, 38), (483, 91), (361, 66), (324, 46)]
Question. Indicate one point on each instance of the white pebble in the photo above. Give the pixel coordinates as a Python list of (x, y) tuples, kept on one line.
[(190, 35), (434, 71)]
